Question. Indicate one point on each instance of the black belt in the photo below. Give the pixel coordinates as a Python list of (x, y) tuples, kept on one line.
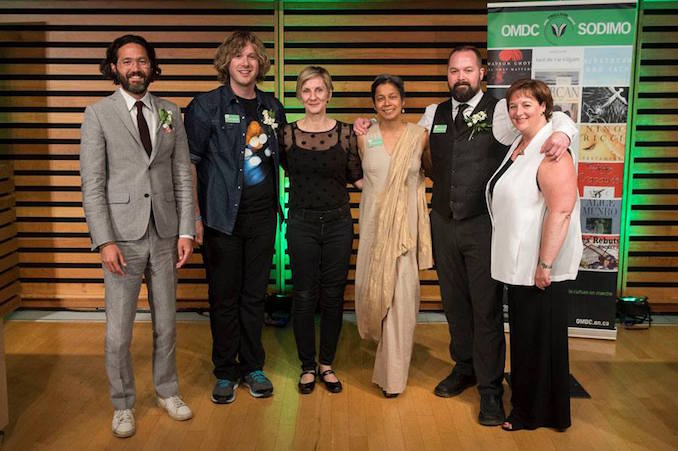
[(321, 215)]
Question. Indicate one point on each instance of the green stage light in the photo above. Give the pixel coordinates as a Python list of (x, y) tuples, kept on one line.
[(633, 299)]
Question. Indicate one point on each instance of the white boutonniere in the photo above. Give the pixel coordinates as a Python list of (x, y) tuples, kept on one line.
[(269, 119), (165, 118), (478, 123)]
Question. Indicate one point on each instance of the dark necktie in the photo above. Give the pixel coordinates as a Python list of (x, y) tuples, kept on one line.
[(459, 122), (143, 128)]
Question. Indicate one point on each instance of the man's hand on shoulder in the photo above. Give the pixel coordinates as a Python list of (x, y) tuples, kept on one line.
[(361, 125), (112, 258), (184, 250), (555, 145)]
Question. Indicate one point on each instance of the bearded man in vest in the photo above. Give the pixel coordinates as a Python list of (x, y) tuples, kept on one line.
[(469, 136)]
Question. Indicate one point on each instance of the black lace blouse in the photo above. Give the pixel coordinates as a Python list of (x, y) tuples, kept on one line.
[(319, 164)]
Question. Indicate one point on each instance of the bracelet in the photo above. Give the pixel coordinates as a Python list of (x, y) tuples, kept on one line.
[(544, 265), (198, 218)]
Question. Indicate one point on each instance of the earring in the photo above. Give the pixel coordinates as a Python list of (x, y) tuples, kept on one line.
[(402, 111)]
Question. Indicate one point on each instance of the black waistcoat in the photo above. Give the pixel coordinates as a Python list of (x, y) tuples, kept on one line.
[(462, 168)]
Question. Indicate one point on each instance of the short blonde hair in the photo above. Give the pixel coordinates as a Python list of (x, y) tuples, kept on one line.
[(309, 72), (231, 46)]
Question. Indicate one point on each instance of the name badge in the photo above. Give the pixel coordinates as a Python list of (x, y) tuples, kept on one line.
[(232, 118), (374, 142), (440, 128)]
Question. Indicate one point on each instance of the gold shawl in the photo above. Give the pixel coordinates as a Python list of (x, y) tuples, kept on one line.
[(392, 236)]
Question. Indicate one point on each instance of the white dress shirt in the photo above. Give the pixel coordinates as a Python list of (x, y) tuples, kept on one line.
[(472, 104), (149, 111), (502, 127)]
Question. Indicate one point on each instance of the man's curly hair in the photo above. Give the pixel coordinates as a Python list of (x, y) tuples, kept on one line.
[(231, 46)]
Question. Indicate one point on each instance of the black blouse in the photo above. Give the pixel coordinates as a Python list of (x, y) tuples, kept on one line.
[(319, 164)]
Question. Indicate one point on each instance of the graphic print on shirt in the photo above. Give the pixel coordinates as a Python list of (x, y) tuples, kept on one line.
[(256, 153)]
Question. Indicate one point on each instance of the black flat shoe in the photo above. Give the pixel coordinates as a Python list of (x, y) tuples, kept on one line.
[(306, 387), (512, 425), (389, 395), (333, 387)]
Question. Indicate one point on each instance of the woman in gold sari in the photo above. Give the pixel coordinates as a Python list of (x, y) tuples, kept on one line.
[(395, 240)]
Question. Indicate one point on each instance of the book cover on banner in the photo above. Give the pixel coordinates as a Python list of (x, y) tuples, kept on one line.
[(600, 180), (558, 59), (600, 216), (601, 142), (566, 100), (606, 105), (508, 65), (601, 253), (607, 66)]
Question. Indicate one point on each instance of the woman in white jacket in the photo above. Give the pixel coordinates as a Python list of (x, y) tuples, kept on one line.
[(536, 249)]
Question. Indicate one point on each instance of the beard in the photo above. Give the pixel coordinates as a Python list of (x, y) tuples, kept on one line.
[(463, 91), (134, 88)]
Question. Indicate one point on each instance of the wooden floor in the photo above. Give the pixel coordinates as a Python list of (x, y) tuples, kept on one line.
[(58, 397)]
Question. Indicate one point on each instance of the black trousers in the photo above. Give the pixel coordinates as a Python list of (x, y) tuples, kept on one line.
[(319, 244), (472, 300), (540, 372), (238, 268)]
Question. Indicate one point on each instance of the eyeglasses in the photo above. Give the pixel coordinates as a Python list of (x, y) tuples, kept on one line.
[(129, 62)]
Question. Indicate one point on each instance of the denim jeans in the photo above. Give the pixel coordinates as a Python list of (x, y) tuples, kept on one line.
[(319, 245)]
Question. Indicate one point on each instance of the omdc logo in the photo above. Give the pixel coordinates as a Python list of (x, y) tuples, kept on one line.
[(557, 26), (560, 25)]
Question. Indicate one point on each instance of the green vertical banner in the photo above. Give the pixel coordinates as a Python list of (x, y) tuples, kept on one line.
[(583, 50)]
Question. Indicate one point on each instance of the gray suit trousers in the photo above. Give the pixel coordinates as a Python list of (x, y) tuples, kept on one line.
[(155, 258)]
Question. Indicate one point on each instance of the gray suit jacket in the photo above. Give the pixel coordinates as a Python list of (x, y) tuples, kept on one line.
[(121, 184)]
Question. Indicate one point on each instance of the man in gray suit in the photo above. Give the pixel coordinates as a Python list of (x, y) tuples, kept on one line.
[(137, 196)]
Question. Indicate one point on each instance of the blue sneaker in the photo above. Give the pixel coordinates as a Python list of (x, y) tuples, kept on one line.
[(224, 391), (260, 386)]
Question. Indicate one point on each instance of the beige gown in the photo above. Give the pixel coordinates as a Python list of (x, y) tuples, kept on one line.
[(394, 326)]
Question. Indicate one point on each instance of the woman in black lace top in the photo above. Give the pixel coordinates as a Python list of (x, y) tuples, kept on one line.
[(320, 156)]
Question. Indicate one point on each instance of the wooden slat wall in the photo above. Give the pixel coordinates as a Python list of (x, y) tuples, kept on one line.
[(651, 261), (9, 257), (49, 55), (358, 41)]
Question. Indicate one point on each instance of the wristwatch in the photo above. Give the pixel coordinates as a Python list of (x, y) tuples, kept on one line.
[(544, 265)]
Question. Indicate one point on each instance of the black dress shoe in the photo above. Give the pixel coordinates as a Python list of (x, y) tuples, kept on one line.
[(491, 410), (389, 395), (306, 387), (334, 387), (454, 384)]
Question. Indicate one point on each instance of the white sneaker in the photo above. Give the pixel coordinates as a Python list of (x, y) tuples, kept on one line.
[(123, 423), (175, 407)]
